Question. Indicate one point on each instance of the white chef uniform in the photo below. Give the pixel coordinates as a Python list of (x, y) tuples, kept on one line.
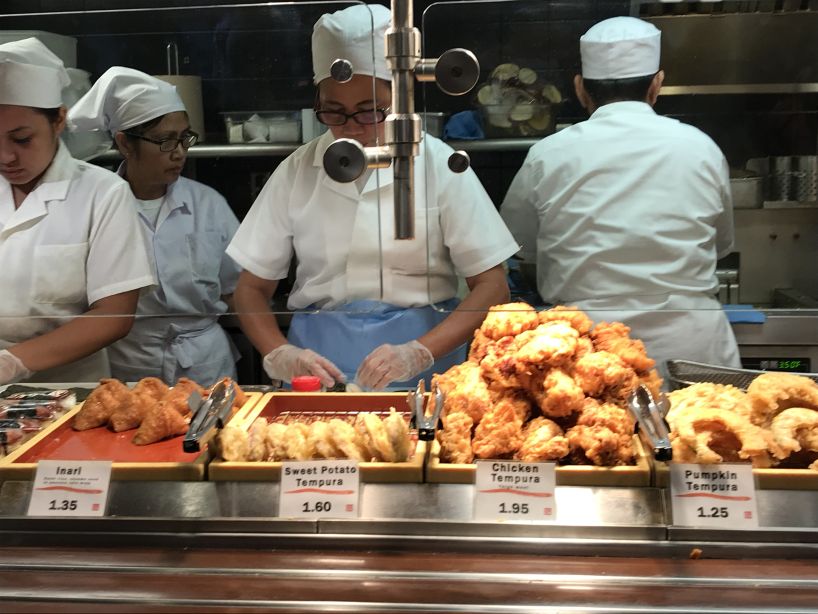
[(176, 332), (632, 211), (74, 240)]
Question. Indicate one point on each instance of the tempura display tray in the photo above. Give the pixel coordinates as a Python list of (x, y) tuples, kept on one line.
[(638, 474), (163, 460), (765, 479), (685, 373), (280, 406)]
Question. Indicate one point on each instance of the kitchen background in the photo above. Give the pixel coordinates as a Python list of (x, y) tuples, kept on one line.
[(745, 72)]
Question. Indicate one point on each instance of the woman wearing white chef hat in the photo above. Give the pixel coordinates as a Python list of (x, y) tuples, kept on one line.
[(627, 212), (188, 225), (333, 230), (72, 257)]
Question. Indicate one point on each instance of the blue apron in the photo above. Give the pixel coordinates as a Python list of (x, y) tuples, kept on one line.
[(347, 336)]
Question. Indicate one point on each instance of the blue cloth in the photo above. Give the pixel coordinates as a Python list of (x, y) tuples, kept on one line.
[(464, 125), (744, 314), (347, 335)]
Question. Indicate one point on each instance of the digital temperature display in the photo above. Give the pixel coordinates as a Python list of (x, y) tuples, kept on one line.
[(793, 365)]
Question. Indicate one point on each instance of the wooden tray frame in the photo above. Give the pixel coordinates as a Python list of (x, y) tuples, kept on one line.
[(270, 471), (639, 474), (765, 479), (120, 471)]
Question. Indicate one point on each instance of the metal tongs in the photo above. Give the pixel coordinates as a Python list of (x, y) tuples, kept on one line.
[(209, 415), (426, 424), (652, 425)]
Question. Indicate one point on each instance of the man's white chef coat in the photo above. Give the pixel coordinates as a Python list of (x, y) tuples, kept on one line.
[(337, 232), (630, 211), (74, 240)]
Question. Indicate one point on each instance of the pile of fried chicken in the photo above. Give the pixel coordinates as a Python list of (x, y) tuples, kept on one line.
[(151, 407), (544, 386), (773, 424), (365, 438)]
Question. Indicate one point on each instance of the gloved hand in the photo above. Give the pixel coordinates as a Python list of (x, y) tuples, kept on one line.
[(393, 363), (12, 368), (287, 361)]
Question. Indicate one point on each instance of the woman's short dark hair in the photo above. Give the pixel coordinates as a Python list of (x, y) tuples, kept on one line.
[(51, 114), (139, 130), (604, 91)]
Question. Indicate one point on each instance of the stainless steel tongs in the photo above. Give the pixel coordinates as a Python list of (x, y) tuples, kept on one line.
[(209, 415), (652, 425), (426, 424)]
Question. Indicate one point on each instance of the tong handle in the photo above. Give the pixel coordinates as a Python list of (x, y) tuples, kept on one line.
[(651, 422), (426, 425)]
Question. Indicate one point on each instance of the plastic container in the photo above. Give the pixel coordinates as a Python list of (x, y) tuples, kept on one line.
[(263, 126), (306, 383)]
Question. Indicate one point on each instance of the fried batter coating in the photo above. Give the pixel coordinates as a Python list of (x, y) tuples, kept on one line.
[(346, 438), (577, 318), (101, 404), (584, 346), (705, 395), (556, 394), (603, 373), (152, 388), (232, 444), (479, 347), (257, 440), (772, 393), (398, 432), (509, 320), (653, 382), (551, 344), (465, 391), (543, 441), (322, 442), (160, 423), (178, 396), (275, 438), (713, 435), (373, 432), (794, 427), (500, 432), (615, 418), (297, 442), (599, 445), (455, 439), (615, 338), (499, 367)]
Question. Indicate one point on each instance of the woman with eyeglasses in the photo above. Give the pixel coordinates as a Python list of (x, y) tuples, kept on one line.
[(187, 224), (72, 260), (388, 313)]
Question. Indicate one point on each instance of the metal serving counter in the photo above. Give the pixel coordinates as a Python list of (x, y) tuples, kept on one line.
[(207, 546)]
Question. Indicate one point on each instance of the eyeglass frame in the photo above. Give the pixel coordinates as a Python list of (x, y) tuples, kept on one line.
[(161, 142), (383, 111)]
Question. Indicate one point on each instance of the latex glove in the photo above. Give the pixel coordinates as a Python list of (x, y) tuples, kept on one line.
[(393, 363), (12, 368), (287, 361)]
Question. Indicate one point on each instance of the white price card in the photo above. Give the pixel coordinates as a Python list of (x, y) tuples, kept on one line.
[(721, 495), (70, 488), (319, 489), (508, 490)]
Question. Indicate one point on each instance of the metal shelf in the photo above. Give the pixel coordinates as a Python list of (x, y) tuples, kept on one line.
[(740, 88), (277, 150)]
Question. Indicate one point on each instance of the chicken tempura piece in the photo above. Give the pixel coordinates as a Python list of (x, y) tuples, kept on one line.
[(101, 404), (146, 394), (599, 445), (322, 442), (509, 319), (558, 395), (455, 439), (465, 391), (577, 318), (772, 393), (276, 447), (398, 433), (232, 444), (500, 433), (297, 442), (549, 345), (543, 441), (257, 440), (617, 419), (615, 338), (159, 423), (178, 396), (346, 438), (603, 373)]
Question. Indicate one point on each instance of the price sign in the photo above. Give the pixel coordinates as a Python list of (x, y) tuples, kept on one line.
[(319, 489), (70, 488), (508, 490), (720, 495)]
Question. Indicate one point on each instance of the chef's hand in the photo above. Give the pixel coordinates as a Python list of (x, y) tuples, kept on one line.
[(393, 363), (12, 368), (287, 361)]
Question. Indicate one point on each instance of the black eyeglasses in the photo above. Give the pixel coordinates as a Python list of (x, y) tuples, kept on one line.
[(187, 141), (339, 118)]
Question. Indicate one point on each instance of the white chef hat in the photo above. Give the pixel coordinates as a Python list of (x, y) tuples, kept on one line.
[(123, 98), (30, 75), (348, 34), (620, 48)]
